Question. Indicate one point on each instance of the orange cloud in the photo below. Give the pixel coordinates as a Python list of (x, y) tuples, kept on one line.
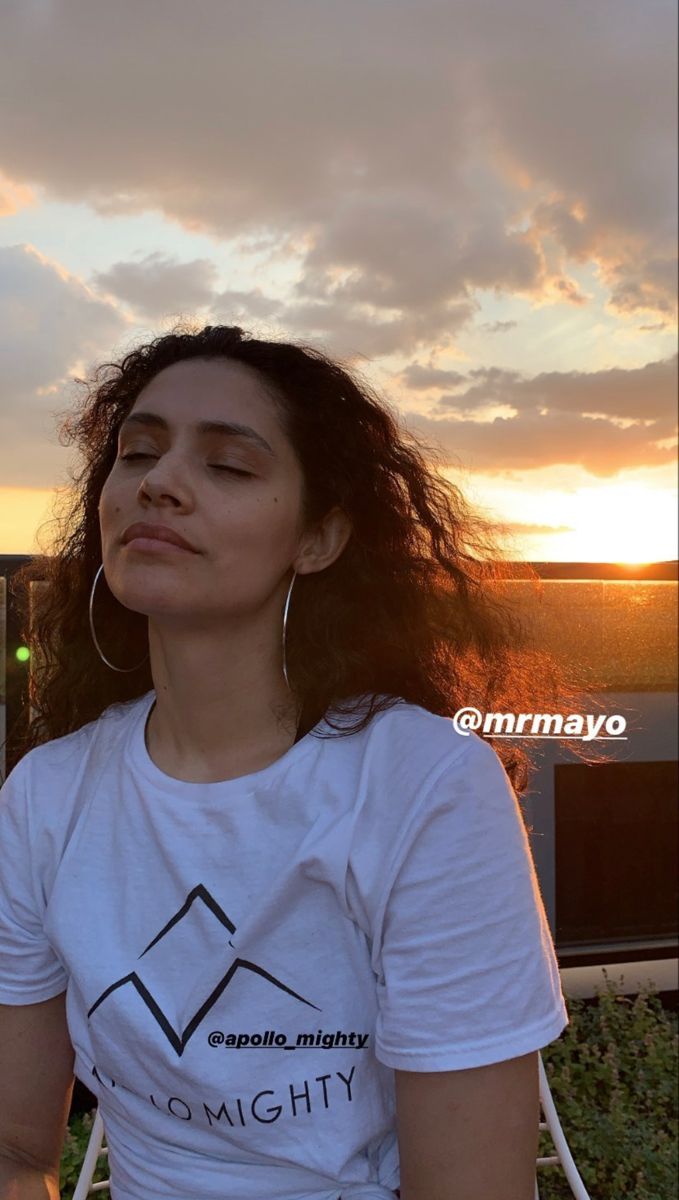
[(14, 196)]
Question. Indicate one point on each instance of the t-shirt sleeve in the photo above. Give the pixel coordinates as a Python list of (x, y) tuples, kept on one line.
[(469, 974), (30, 971)]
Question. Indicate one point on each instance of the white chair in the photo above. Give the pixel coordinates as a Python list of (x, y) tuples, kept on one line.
[(551, 1124), (563, 1156), (95, 1150)]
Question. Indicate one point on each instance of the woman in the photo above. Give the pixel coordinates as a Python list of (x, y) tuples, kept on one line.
[(244, 823)]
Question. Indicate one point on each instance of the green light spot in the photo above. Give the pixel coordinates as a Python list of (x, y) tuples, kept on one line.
[(23, 654)]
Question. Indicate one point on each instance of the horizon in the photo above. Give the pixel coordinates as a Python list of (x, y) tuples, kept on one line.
[(629, 567)]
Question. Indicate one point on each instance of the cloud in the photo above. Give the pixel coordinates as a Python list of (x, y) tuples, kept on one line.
[(528, 527), (604, 421), (14, 196), (419, 378), (535, 440), (645, 393), (159, 285), (407, 153), (498, 326), (232, 307), (51, 323)]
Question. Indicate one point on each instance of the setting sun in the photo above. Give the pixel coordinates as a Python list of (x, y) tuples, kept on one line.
[(625, 523)]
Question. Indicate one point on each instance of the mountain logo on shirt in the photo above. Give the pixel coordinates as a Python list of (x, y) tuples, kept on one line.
[(200, 940)]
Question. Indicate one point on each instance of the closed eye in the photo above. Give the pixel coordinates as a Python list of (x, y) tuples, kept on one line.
[(215, 466), (233, 470)]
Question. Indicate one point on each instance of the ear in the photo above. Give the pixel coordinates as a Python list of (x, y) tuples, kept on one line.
[(324, 543)]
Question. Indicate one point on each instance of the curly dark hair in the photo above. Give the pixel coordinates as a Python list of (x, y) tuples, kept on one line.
[(413, 608)]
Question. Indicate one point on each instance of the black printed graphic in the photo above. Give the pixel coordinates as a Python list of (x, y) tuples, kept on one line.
[(177, 1041)]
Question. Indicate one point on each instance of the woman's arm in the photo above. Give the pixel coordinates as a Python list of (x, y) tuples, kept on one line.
[(18, 1182), (36, 1086), (469, 1134)]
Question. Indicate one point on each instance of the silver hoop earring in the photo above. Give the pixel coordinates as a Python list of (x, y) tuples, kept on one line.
[(124, 670), (127, 669), (285, 622)]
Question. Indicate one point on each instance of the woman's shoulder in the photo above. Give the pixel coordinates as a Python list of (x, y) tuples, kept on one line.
[(410, 764), (410, 739), (44, 794), (62, 758)]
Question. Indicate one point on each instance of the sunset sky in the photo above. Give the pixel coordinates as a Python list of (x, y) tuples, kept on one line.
[(474, 203)]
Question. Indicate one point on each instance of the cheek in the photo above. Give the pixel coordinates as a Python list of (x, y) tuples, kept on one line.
[(282, 517), (114, 505), (269, 522), (109, 501)]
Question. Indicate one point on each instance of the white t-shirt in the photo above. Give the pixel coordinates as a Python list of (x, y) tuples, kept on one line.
[(247, 961)]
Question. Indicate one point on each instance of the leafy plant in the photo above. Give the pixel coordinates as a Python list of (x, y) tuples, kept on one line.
[(613, 1077)]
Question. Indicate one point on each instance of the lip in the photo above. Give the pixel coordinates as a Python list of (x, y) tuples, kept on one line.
[(146, 545), (154, 537)]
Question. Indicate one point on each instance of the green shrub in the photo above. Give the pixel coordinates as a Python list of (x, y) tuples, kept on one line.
[(613, 1077)]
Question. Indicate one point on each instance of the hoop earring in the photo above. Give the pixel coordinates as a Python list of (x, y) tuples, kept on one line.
[(124, 670), (285, 622)]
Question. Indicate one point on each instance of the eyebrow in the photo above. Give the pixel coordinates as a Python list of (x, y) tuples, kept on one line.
[(225, 428)]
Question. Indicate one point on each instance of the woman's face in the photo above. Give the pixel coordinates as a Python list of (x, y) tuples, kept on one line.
[(235, 497)]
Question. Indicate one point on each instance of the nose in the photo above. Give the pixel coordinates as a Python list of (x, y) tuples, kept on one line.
[(163, 480)]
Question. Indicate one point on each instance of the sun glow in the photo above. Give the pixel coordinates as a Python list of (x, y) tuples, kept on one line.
[(623, 523)]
